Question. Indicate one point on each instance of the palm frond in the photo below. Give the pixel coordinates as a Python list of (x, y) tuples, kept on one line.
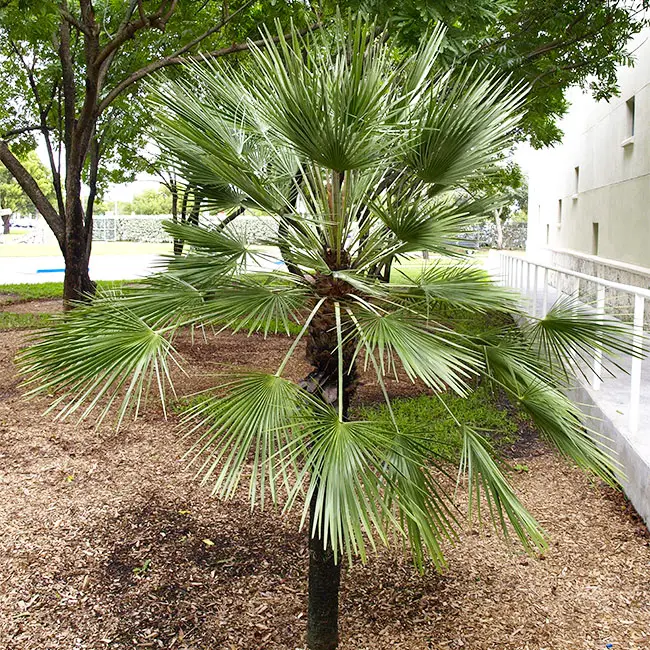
[(255, 302), (572, 333), (97, 357), (462, 285), (424, 509), (521, 373), (250, 423), (209, 239), (423, 352), (486, 480), (425, 223), (343, 469), (339, 130), (466, 118)]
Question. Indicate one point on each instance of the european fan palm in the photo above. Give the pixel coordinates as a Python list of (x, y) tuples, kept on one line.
[(357, 157)]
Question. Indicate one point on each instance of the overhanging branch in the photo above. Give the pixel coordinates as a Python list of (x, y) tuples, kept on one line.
[(176, 59)]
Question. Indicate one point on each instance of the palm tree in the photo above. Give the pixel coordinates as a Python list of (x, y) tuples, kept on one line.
[(358, 156)]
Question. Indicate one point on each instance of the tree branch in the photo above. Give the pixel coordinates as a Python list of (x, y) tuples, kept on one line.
[(127, 31), (25, 129), (68, 85), (73, 21), (176, 59)]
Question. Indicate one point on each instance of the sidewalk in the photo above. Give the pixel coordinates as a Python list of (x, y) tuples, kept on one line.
[(15, 270)]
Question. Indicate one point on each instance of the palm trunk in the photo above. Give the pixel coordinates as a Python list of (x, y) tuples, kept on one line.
[(324, 584), (324, 571)]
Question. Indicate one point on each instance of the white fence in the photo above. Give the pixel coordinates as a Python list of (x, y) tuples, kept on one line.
[(539, 283)]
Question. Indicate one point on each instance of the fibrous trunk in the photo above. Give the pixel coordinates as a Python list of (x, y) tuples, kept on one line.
[(323, 589), (324, 571)]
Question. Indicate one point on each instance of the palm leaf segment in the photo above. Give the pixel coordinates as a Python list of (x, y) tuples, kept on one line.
[(356, 159)]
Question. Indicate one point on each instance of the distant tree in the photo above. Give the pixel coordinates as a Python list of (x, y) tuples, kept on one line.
[(153, 201), (509, 185), (12, 195)]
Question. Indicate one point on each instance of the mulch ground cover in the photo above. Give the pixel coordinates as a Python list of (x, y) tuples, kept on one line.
[(107, 543)]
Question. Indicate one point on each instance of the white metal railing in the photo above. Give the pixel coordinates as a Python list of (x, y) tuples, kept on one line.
[(515, 271)]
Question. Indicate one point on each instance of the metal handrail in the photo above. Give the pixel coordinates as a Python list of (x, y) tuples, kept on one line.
[(512, 272), (640, 291)]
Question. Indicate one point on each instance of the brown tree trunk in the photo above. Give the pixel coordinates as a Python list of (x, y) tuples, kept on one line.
[(324, 584), (324, 572), (178, 243), (6, 224), (77, 285)]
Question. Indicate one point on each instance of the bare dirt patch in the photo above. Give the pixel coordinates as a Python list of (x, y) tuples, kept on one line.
[(105, 542), (33, 307)]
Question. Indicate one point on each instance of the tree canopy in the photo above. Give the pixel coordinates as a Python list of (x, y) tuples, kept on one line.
[(12, 196), (550, 44), (71, 71)]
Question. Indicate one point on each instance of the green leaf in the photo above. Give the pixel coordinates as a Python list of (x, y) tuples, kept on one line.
[(486, 480), (571, 331), (250, 423), (462, 286), (98, 356), (527, 380), (465, 119), (424, 353)]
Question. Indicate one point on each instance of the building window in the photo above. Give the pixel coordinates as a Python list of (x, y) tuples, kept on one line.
[(559, 212), (630, 109), (576, 181), (594, 238)]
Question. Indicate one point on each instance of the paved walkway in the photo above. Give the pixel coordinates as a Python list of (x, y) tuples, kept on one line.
[(31, 270), (14, 270)]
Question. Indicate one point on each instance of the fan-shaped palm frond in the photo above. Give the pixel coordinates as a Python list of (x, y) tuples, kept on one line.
[(485, 478), (463, 286), (99, 356), (571, 333)]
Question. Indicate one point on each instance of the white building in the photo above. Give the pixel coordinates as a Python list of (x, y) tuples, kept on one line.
[(589, 201)]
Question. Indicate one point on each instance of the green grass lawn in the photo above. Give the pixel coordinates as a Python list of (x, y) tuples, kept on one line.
[(46, 290), (99, 248), (9, 321), (428, 417)]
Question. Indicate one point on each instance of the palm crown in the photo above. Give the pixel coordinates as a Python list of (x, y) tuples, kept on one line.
[(358, 158)]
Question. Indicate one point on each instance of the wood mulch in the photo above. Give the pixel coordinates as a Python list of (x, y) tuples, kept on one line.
[(107, 543)]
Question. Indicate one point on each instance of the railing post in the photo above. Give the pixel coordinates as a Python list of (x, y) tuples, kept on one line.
[(521, 274), (545, 296), (598, 354), (635, 388), (527, 278), (535, 274)]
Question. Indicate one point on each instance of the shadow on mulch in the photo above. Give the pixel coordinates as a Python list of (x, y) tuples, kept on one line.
[(166, 534), (178, 575)]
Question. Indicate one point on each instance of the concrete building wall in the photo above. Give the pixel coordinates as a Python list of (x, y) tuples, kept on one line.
[(589, 197)]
